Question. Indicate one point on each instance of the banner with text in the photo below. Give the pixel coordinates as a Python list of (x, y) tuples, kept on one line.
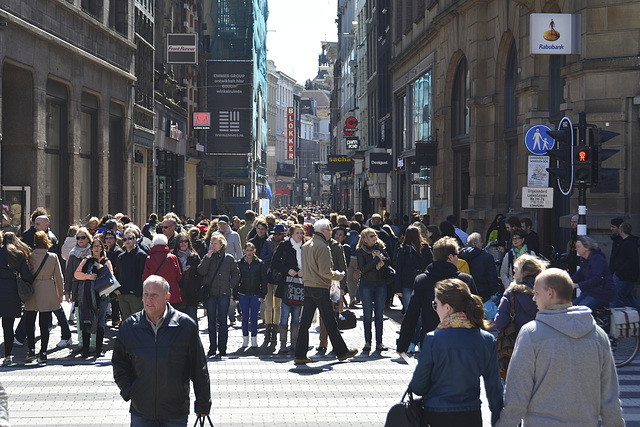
[(229, 100), (291, 133)]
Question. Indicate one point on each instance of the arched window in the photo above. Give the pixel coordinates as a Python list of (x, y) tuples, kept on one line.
[(510, 80), (460, 120)]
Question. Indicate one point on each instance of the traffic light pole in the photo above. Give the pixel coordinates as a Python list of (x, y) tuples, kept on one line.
[(582, 187), (582, 210)]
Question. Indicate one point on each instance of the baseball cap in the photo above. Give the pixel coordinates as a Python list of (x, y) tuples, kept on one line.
[(223, 218), (279, 229)]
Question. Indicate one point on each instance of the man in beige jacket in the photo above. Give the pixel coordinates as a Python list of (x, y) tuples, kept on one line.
[(317, 274)]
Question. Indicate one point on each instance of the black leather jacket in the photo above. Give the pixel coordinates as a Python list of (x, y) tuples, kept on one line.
[(154, 372), (367, 264), (253, 278)]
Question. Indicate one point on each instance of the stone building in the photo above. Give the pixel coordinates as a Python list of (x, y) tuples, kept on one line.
[(67, 76), (464, 81)]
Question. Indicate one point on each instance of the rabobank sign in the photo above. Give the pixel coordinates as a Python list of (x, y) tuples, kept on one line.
[(555, 33)]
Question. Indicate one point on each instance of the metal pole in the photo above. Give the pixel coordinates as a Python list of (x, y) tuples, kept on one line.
[(582, 210)]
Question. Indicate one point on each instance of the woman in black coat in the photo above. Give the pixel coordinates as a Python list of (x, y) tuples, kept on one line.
[(191, 281), (14, 260), (287, 262), (372, 261), (250, 292)]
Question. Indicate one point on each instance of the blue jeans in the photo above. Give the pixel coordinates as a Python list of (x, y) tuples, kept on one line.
[(589, 301), (217, 309), (373, 300), (137, 421), (249, 307), (625, 294), (64, 323), (285, 310), (192, 311)]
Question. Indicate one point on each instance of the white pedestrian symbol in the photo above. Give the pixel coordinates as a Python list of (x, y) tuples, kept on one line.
[(546, 145), (536, 140)]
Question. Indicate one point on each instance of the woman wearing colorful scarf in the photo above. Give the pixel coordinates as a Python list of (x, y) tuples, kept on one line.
[(188, 259), (454, 357), (518, 248)]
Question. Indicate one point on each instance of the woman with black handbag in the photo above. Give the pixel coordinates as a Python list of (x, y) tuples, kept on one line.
[(372, 262), (287, 262), (453, 359), (14, 259), (47, 293), (92, 307), (221, 275)]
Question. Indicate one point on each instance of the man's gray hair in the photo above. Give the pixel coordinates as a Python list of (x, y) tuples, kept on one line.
[(158, 280), (473, 239), (323, 224)]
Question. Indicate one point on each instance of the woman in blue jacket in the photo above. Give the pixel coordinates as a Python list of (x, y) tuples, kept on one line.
[(453, 359)]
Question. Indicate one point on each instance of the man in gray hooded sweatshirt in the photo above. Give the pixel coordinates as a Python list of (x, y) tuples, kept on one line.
[(562, 372)]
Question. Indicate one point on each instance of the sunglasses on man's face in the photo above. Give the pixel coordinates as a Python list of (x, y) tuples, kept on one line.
[(81, 237), (126, 239)]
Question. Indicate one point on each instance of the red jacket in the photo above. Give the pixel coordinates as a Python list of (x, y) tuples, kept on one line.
[(170, 270)]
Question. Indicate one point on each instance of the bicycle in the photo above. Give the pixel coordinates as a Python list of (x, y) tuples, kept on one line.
[(624, 349)]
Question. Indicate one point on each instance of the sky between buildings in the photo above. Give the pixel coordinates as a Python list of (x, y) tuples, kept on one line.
[(295, 30)]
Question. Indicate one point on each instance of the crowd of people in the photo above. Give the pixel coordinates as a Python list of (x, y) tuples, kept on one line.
[(282, 267)]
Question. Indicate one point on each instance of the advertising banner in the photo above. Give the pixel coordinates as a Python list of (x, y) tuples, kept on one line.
[(380, 163), (291, 133), (182, 48), (339, 164), (230, 105), (555, 34)]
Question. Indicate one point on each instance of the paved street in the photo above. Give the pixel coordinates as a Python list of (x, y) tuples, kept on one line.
[(251, 387)]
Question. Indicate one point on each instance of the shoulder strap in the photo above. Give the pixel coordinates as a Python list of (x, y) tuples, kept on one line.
[(158, 269), (218, 268), (512, 297), (46, 255)]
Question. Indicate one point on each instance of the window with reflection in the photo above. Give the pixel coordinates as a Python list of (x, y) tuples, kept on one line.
[(421, 91), (460, 120)]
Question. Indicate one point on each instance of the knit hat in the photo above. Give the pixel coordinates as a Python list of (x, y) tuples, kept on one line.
[(617, 221)]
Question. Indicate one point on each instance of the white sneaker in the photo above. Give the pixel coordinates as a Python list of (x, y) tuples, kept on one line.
[(64, 343), (16, 342)]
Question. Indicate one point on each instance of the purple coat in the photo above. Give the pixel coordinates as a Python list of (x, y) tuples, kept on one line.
[(525, 310), (594, 277)]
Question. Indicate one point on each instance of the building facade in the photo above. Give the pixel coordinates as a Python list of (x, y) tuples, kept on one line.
[(67, 99), (234, 173), (465, 85)]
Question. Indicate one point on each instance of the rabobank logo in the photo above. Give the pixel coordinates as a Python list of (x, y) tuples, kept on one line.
[(551, 34)]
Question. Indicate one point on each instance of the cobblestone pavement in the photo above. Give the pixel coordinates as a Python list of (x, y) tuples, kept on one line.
[(250, 387)]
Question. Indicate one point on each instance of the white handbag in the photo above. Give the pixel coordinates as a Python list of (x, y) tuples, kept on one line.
[(625, 322)]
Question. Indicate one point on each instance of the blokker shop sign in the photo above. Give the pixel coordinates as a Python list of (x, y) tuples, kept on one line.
[(555, 34)]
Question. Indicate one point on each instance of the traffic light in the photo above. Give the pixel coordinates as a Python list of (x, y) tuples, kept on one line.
[(582, 165), (563, 155), (597, 137)]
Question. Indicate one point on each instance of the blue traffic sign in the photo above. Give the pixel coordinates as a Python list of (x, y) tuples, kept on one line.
[(537, 140)]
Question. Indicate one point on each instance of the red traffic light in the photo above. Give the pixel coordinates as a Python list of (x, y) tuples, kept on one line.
[(583, 155)]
